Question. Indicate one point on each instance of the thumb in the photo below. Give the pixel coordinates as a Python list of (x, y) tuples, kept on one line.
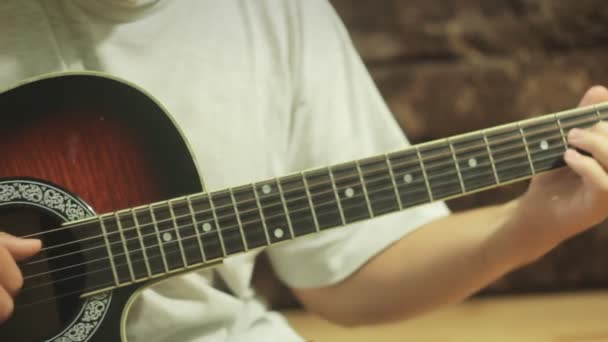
[(20, 248), (594, 95)]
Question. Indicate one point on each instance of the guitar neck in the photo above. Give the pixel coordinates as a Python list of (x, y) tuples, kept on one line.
[(200, 229)]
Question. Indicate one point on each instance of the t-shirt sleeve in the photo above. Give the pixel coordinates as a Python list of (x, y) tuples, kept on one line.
[(338, 116)]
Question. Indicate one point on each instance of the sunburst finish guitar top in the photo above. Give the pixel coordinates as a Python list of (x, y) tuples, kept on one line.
[(113, 148)]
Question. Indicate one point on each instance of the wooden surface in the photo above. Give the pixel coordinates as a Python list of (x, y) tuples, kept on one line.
[(539, 318)]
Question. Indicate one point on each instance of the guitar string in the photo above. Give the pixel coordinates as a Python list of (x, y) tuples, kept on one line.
[(425, 159), (368, 173), (106, 284), (173, 251), (414, 162), (256, 209), (195, 244), (274, 204), (111, 283), (313, 205), (176, 250)]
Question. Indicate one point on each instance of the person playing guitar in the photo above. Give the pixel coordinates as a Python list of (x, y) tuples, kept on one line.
[(260, 90)]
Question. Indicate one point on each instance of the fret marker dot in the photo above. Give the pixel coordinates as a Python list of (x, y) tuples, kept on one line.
[(350, 192), (278, 233), (207, 227), (472, 162), (544, 145), (408, 178), (167, 237), (266, 189)]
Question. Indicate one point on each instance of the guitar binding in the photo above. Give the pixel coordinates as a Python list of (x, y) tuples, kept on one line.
[(67, 207)]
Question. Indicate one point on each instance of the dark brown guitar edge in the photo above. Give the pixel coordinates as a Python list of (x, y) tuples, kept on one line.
[(97, 137)]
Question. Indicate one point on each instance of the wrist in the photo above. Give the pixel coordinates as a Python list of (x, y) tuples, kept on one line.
[(515, 242)]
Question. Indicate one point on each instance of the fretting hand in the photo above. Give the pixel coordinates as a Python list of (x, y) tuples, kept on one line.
[(562, 203)]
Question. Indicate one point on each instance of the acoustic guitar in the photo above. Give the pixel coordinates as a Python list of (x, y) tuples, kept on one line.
[(76, 144)]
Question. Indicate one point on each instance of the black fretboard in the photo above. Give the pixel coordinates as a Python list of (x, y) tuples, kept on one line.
[(191, 231)]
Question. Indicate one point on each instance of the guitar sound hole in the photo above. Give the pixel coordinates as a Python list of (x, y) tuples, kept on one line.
[(45, 306)]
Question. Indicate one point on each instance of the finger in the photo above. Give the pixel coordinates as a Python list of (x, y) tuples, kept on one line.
[(595, 94), (6, 305), (600, 128), (588, 168), (592, 141), (20, 248), (10, 275)]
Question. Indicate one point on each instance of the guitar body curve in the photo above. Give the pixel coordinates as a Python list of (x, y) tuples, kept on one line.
[(73, 145)]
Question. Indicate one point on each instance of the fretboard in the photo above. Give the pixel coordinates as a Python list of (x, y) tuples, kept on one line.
[(196, 230)]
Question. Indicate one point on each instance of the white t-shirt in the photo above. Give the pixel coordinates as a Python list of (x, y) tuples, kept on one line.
[(272, 85)]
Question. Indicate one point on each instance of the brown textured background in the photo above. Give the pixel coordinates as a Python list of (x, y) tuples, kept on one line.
[(452, 66)]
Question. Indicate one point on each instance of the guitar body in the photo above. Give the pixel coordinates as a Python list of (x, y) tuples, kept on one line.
[(71, 146)]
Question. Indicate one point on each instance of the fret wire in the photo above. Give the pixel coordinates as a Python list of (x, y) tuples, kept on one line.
[(179, 237), (285, 209), (160, 244), (578, 119), (485, 140), (195, 225), (507, 149), (110, 255), (393, 180), (141, 241), (499, 142), (597, 112), (445, 175), (322, 193), (262, 217), (426, 179), (539, 137), (124, 245), (421, 189), (312, 207), (238, 219), (507, 141), (546, 130), (561, 131), (526, 163), (457, 165), (364, 188), (523, 138), (217, 224), (333, 185), (378, 180)]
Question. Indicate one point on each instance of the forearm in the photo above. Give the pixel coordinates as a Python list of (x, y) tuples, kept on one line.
[(449, 259), (441, 263)]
